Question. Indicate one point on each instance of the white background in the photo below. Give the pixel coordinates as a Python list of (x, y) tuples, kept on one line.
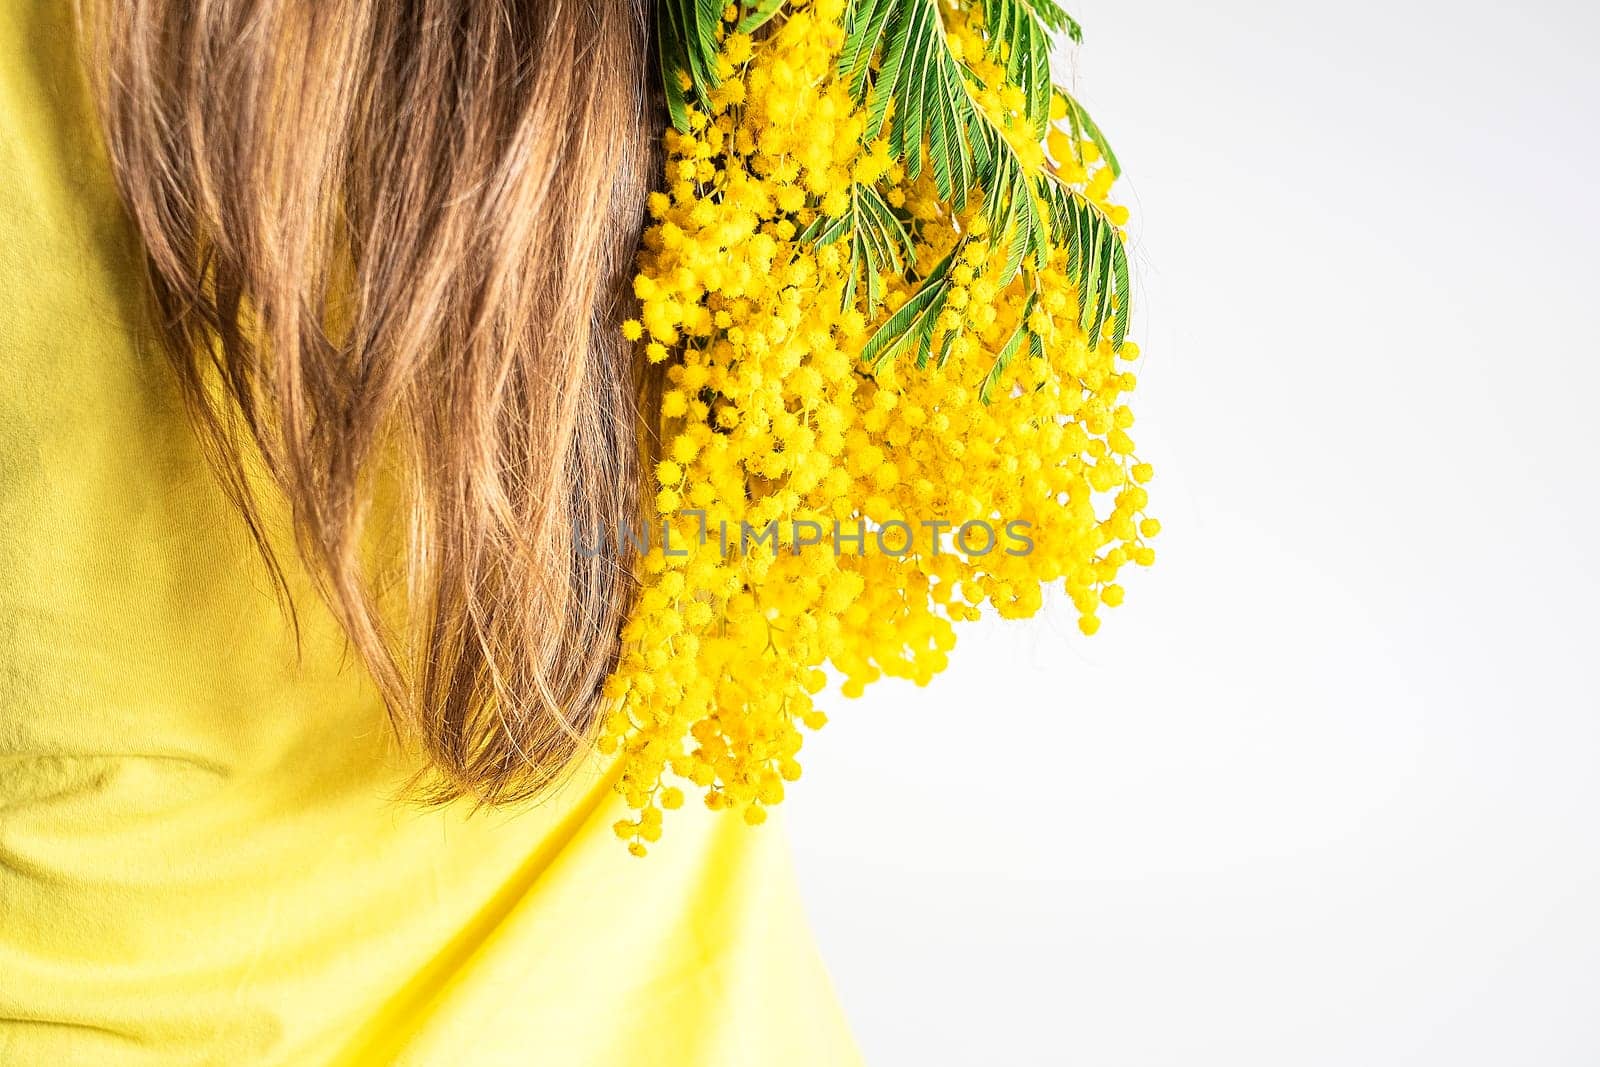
[(1324, 791)]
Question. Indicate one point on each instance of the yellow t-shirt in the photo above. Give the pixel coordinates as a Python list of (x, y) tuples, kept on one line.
[(200, 858)]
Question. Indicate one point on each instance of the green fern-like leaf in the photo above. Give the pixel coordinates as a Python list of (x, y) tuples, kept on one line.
[(877, 242), (1097, 260)]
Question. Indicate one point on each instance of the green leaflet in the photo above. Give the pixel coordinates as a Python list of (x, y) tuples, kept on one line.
[(759, 16), (1089, 244), (1119, 275), (1102, 290), (1084, 129)]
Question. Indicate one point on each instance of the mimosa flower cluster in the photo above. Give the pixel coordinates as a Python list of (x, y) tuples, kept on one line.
[(770, 413)]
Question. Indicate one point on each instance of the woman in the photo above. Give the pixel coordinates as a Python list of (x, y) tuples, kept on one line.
[(312, 362)]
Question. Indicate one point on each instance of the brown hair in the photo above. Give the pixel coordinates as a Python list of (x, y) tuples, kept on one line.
[(392, 237)]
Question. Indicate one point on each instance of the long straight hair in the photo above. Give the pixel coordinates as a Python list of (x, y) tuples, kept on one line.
[(389, 243)]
